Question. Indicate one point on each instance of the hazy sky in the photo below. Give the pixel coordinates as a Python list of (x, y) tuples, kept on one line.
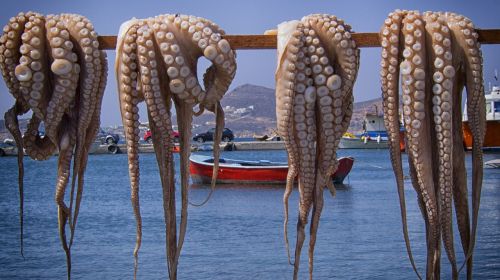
[(254, 17)]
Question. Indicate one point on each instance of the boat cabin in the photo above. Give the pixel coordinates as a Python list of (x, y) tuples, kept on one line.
[(492, 105)]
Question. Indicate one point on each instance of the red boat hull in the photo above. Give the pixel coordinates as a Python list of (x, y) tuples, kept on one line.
[(201, 172), (491, 139)]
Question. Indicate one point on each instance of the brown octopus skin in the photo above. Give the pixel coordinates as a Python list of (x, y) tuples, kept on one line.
[(41, 68), (450, 47), (147, 51), (317, 66)]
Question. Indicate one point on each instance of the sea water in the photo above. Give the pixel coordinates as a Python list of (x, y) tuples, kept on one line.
[(238, 234)]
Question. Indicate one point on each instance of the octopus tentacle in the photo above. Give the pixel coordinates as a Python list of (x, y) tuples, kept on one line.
[(12, 124), (216, 80), (340, 60), (184, 113), (129, 96), (460, 193), (65, 72), (290, 66), (322, 124), (443, 76), (92, 131), (67, 144), (177, 67), (10, 42), (389, 75), (390, 33), (160, 115), (418, 126), (466, 37), (86, 47), (184, 116), (176, 61), (306, 136), (36, 146), (305, 133)]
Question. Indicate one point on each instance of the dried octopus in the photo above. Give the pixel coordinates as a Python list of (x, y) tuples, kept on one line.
[(317, 66), (437, 54), (156, 62), (52, 66)]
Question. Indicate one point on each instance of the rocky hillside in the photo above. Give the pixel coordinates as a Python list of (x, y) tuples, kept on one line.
[(250, 110)]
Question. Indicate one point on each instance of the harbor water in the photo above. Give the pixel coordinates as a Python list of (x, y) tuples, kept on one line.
[(238, 234)]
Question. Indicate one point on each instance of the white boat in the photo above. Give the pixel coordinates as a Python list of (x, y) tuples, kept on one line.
[(374, 135)]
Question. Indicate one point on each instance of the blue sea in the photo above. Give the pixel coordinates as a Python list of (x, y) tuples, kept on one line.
[(238, 234)]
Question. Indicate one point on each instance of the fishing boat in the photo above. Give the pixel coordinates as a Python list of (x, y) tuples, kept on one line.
[(374, 135), (233, 171), (492, 137)]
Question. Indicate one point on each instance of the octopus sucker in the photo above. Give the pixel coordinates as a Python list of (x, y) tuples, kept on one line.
[(437, 54), (317, 67), (41, 65), (156, 62)]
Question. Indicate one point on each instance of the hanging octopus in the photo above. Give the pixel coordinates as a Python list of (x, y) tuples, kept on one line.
[(437, 54), (317, 66), (156, 62), (52, 66)]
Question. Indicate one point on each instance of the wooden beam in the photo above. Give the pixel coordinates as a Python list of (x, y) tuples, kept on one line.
[(252, 42)]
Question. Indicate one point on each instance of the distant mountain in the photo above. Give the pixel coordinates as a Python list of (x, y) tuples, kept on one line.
[(250, 110), (262, 98)]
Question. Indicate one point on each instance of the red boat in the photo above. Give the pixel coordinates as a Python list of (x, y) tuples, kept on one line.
[(252, 172)]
